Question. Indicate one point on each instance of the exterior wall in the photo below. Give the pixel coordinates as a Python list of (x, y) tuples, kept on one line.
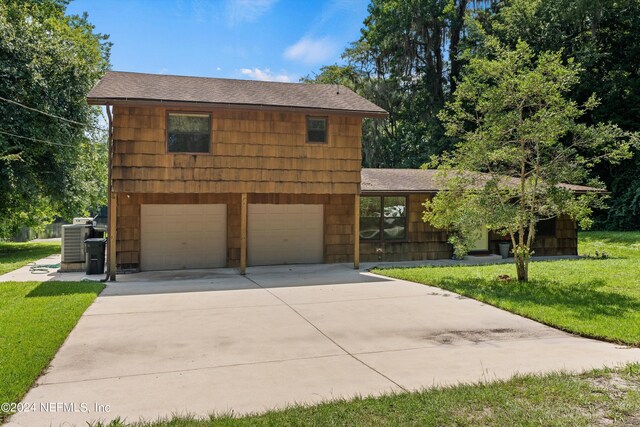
[(564, 242), (338, 222), (423, 240), (251, 152)]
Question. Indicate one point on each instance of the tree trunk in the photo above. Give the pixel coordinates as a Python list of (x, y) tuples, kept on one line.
[(456, 31), (521, 258)]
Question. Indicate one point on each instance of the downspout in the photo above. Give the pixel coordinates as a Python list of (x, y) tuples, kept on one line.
[(111, 275)]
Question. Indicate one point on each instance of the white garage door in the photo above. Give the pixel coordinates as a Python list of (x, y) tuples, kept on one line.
[(183, 236), (284, 234)]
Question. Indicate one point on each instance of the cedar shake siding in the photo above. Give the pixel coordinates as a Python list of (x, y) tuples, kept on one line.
[(338, 221), (423, 241), (251, 152)]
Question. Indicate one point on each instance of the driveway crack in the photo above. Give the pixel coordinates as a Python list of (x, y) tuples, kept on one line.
[(327, 336)]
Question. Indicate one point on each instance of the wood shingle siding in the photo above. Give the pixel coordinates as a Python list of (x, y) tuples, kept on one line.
[(338, 221), (423, 241), (251, 152)]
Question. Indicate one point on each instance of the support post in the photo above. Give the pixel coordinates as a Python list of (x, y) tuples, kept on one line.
[(356, 233), (111, 202), (111, 252), (243, 235)]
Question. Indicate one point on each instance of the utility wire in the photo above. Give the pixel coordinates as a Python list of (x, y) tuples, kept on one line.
[(51, 115), (36, 139)]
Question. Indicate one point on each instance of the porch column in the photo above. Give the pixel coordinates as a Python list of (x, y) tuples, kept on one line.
[(356, 234), (243, 235), (112, 215)]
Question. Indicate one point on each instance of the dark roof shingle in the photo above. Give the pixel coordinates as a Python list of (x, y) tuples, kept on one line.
[(118, 86), (418, 181)]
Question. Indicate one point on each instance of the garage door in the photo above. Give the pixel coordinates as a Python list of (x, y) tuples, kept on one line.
[(183, 236), (284, 234)]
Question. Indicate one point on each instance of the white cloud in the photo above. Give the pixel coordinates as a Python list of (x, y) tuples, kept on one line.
[(239, 11), (218, 69), (311, 51), (265, 75)]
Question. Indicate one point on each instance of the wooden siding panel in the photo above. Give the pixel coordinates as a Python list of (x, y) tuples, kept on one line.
[(424, 242), (254, 152), (338, 218)]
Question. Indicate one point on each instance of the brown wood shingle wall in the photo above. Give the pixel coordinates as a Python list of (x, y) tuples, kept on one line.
[(251, 152), (423, 240), (338, 220), (564, 242)]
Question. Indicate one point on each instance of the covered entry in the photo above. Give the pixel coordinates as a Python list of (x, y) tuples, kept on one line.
[(181, 236), (285, 234)]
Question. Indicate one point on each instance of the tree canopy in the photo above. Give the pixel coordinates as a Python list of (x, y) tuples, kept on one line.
[(408, 60), (520, 138), (52, 161), (603, 37)]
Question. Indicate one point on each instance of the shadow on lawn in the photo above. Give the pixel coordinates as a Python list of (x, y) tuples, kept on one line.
[(614, 237), (584, 299), (56, 289)]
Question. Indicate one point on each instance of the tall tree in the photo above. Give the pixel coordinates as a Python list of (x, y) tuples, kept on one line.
[(407, 62), (50, 161), (520, 140), (603, 36)]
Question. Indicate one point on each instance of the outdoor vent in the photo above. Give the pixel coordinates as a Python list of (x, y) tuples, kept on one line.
[(81, 220), (73, 237)]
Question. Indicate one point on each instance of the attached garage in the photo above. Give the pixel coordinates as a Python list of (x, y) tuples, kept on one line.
[(182, 236), (285, 234)]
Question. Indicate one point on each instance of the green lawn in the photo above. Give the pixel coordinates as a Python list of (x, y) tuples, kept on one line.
[(15, 255), (598, 298), (602, 397), (35, 319)]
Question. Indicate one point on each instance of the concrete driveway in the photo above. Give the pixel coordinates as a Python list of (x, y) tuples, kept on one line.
[(155, 344)]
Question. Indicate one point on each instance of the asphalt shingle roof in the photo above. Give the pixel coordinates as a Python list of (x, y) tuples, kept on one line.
[(125, 86), (419, 181)]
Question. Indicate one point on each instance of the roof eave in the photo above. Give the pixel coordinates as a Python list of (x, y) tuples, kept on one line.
[(260, 107), (389, 191)]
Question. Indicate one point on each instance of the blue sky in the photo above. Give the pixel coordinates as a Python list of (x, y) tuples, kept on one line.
[(279, 40)]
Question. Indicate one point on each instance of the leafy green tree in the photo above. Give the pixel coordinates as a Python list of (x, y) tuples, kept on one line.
[(603, 37), (407, 62), (49, 167), (520, 140)]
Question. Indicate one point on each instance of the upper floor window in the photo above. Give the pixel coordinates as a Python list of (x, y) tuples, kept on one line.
[(317, 130), (383, 218), (188, 133)]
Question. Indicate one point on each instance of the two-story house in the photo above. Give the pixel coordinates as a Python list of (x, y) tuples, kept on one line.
[(209, 172), (217, 172)]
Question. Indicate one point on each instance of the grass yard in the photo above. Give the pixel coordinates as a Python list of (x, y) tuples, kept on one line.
[(35, 319), (15, 255), (602, 397), (598, 298)]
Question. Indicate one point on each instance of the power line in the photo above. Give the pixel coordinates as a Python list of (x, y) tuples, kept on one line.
[(36, 139), (51, 115)]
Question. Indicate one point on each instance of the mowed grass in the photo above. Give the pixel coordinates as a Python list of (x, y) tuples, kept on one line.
[(15, 255), (35, 319), (598, 298), (604, 397)]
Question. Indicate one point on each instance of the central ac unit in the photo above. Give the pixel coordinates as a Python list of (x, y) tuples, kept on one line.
[(73, 237)]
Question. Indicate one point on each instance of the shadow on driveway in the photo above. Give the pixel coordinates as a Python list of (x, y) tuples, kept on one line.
[(226, 279)]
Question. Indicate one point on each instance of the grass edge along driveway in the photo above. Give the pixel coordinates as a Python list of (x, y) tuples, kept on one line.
[(15, 255), (593, 297), (601, 397), (35, 319)]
